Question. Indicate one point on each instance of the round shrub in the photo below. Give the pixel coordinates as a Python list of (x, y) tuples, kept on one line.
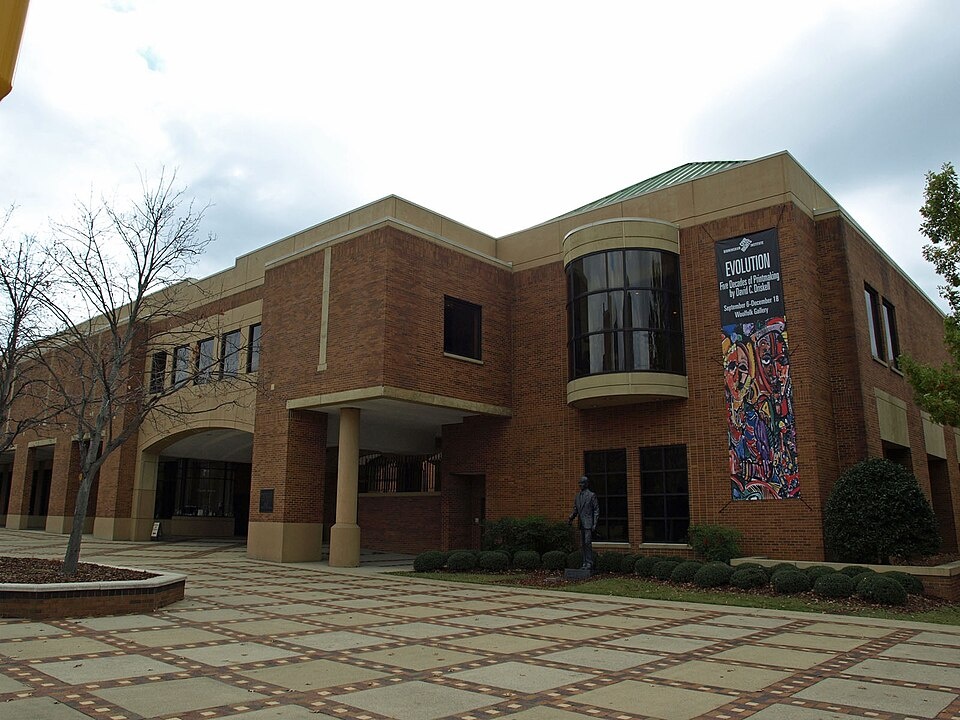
[(854, 570), (429, 561), (493, 560), (713, 574), (644, 566), (882, 590), (526, 560), (575, 559), (754, 566), (817, 571), (609, 562), (554, 560), (834, 585), (893, 518), (780, 567), (628, 562), (787, 582), (664, 569), (859, 577), (911, 583), (461, 561), (684, 572), (748, 578)]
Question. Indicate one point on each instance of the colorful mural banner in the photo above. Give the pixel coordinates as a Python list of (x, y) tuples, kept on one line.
[(756, 364)]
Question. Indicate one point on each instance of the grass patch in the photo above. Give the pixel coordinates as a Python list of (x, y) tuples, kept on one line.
[(651, 590)]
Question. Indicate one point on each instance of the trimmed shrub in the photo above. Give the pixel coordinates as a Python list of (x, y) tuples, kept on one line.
[(609, 562), (554, 560), (911, 583), (788, 582), (664, 569), (857, 579), (892, 518), (780, 567), (526, 560), (429, 561), (575, 559), (493, 560), (834, 585), (685, 571), (645, 565), (816, 571), (882, 590), (628, 562), (715, 542), (461, 561), (714, 574), (748, 578), (533, 532), (753, 566), (854, 570)]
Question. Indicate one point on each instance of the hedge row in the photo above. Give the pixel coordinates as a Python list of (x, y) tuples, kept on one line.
[(889, 588)]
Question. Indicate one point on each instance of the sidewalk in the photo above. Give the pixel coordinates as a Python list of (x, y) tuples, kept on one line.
[(258, 640)]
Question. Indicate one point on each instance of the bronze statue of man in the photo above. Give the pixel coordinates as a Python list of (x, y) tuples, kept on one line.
[(587, 508)]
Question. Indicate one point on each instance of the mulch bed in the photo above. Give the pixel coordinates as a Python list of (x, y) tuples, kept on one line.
[(41, 571)]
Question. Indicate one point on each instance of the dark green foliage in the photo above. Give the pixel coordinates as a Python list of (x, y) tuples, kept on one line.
[(461, 561), (684, 572), (815, 571), (854, 570), (877, 510), (575, 559), (754, 566), (780, 567), (554, 560), (429, 561), (609, 562), (493, 560), (526, 560), (911, 583), (882, 590), (645, 564), (860, 576), (664, 569), (748, 578), (534, 532), (834, 585), (788, 582), (715, 542), (714, 574), (628, 562)]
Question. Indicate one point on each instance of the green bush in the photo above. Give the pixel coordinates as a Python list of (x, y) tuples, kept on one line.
[(882, 590), (664, 569), (834, 585), (754, 566), (628, 562), (748, 578), (815, 571), (715, 542), (461, 561), (554, 560), (684, 572), (877, 510), (713, 574), (645, 564), (526, 560), (429, 561), (493, 560), (911, 583), (857, 579), (609, 562), (780, 567), (788, 582), (575, 559), (854, 570), (533, 532)]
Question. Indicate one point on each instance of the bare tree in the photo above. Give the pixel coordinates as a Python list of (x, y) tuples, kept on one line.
[(126, 271), (26, 278)]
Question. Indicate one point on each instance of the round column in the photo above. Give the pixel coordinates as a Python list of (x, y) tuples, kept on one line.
[(345, 534)]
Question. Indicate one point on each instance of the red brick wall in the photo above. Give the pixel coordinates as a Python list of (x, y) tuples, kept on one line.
[(400, 523)]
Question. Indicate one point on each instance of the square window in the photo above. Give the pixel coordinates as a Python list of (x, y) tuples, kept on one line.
[(461, 328)]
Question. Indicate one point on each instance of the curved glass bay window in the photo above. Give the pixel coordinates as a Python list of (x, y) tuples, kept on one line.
[(624, 313)]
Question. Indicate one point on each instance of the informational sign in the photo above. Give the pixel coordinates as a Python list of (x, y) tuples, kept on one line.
[(157, 531), (756, 361), (266, 500)]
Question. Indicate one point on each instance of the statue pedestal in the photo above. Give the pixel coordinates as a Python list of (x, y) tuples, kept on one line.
[(577, 574)]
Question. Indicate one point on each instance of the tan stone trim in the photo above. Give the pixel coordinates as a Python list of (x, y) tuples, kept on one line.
[(619, 233), (452, 356), (285, 542), (387, 392), (625, 388), (892, 416), (44, 442), (933, 437), (325, 310)]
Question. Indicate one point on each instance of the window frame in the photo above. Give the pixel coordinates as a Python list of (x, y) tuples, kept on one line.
[(453, 333), (158, 372), (180, 368), (600, 483), (226, 352), (254, 335), (878, 347), (889, 315), (648, 475), (205, 373)]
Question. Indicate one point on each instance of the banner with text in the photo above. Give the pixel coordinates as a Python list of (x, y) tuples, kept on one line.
[(756, 361)]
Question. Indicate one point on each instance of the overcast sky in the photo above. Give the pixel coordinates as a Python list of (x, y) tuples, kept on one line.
[(282, 114)]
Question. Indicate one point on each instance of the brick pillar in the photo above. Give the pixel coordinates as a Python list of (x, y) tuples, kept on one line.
[(345, 534), (18, 511), (114, 519), (63, 487)]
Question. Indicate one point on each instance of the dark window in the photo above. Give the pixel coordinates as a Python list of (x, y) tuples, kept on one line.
[(158, 371), (607, 470), (890, 329), (253, 349), (230, 354), (664, 494), (874, 323), (624, 313), (205, 361), (181, 365), (461, 328), (384, 473)]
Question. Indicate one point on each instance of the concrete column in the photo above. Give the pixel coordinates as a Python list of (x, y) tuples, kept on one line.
[(345, 534)]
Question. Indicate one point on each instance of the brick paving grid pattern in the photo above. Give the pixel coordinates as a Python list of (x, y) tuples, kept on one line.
[(213, 568)]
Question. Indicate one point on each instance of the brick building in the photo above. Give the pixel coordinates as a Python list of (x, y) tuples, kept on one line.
[(720, 333)]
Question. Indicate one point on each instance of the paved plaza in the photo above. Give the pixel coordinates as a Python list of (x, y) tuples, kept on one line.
[(258, 640)]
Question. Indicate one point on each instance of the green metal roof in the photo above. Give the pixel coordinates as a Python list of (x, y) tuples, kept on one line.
[(678, 175)]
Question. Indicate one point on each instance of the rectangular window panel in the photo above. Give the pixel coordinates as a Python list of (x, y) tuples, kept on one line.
[(181, 365), (874, 322), (230, 354), (253, 349), (158, 371), (664, 496), (205, 361), (607, 470), (890, 330), (461, 328)]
